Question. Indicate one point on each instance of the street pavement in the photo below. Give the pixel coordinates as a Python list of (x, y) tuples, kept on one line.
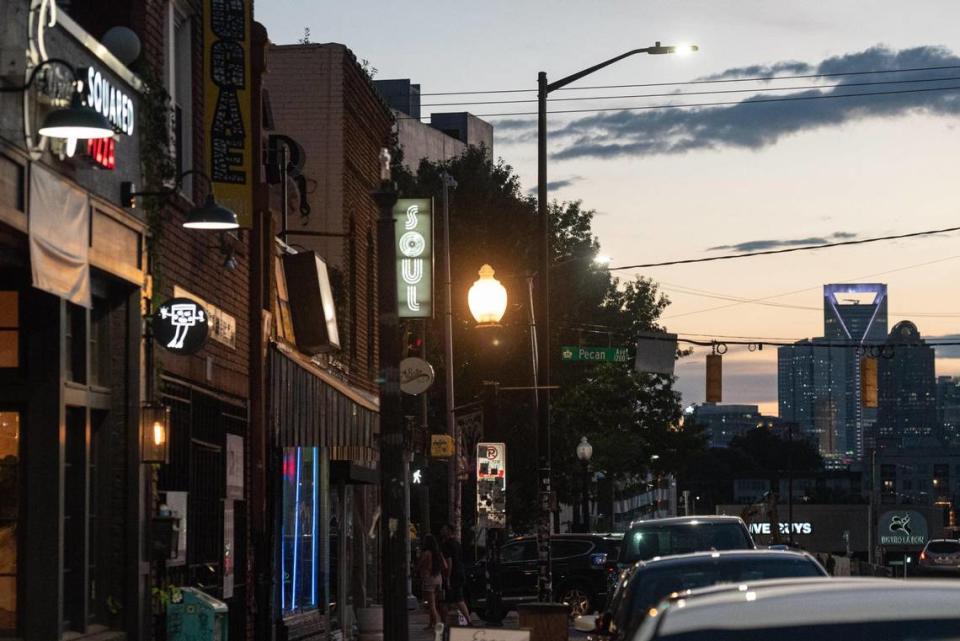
[(419, 620)]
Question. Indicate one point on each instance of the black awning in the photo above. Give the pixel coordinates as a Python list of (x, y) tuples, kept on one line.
[(352, 474)]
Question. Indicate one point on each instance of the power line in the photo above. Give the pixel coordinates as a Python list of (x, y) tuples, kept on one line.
[(748, 101), (698, 93), (787, 250), (698, 82), (806, 289)]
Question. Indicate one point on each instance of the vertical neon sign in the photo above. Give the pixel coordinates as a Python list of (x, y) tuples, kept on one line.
[(313, 536), (296, 535)]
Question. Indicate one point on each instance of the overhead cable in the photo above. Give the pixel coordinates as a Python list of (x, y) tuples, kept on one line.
[(698, 82), (786, 250)]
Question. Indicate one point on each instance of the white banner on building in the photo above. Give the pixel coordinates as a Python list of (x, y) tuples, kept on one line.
[(59, 236)]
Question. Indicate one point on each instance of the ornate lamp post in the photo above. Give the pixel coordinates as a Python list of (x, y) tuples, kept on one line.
[(584, 453)]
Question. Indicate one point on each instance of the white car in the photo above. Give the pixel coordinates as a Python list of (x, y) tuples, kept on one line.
[(810, 609), (940, 555)]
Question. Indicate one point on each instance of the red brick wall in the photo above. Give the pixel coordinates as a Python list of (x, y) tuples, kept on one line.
[(322, 99)]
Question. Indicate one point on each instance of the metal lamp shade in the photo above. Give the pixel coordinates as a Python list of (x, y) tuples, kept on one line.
[(76, 121), (154, 433), (487, 298), (212, 216)]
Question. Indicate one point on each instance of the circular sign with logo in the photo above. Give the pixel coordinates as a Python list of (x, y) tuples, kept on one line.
[(416, 376), (181, 325)]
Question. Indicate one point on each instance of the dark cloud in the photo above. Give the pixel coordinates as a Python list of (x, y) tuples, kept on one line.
[(553, 185), (746, 126), (760, 245), (792, 68)]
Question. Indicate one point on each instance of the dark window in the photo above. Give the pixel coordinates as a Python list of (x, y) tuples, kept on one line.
[(520, 551), (9, 329), (11, 184), (100, 343), (9, 518), (565, 549), (943, 547), (75, 353), (647, 541)]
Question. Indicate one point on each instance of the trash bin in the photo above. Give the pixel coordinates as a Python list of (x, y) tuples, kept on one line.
[(197, 616)]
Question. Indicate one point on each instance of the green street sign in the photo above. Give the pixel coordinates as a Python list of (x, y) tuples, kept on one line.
[(572, 353)]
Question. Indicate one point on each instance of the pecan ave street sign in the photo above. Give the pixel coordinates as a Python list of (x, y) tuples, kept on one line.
[(575, 353)]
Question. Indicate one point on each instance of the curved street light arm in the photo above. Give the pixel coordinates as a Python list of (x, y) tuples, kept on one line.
[(36, 70)]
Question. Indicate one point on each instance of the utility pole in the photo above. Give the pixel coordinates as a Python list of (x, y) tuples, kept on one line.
[(453, 482), (394, 525)]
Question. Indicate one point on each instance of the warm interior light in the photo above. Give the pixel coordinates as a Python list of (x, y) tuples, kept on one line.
[(487, 298), (159, 433)]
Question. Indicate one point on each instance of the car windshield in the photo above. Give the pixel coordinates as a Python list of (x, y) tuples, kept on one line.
[(904, 630), (943, 547), (649, 585), (647, 541)]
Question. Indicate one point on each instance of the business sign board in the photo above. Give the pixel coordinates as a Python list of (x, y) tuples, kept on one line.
[(413, 218), (574, 353), (802, 527), (899, 528), (492, 485), (226, 99), (181, 325), (441, 446)]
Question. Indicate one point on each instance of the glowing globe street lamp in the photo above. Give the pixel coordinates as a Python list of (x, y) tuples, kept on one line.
[(487, 299), (585, 453)]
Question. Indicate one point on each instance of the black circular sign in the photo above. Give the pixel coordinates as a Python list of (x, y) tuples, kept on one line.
[(181, 325)]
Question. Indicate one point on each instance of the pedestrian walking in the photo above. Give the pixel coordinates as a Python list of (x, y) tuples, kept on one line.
[(457, 575), (432, 567)]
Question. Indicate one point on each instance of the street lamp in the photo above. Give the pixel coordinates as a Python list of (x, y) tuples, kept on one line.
[(584, 453), (210, 215), (487, 298), (544, 579)]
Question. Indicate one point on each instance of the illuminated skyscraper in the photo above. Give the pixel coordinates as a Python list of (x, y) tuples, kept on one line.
[(819, 378)]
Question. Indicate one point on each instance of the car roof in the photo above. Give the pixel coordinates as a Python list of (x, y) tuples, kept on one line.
[(725, 555), (680, 520), (800, 602), (943, 541), (568, 536)]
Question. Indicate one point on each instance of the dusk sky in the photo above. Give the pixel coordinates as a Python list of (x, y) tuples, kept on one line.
[(683, 183)]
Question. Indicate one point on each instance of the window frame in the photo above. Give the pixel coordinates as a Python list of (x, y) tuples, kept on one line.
[(20, 519)]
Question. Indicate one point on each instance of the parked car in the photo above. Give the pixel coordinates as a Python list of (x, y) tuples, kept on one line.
[(582, 564), (651, 581), (683, 535), (826, 609), (940, 555)]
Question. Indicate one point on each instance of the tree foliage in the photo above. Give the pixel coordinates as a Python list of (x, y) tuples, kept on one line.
[(627, 416)]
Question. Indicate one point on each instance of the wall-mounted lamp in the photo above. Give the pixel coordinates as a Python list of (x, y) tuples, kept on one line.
[(78, 121), (210, 215), (154, 433)]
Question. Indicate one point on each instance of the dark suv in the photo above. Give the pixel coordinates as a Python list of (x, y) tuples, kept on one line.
[(582, 565)]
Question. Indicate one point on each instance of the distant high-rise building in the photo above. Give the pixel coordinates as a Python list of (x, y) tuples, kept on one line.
[(948, 409), (907, 387), (723, 423), (819, 378)]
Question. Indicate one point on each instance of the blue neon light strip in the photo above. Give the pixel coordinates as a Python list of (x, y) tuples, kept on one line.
[(296, 536), (283, 555), (313, 539)]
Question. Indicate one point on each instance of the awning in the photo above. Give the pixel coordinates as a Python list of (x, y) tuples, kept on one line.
[(311, 408)]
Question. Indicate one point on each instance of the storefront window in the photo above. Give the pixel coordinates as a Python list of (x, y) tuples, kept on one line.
[(9, 513), (300, 554), (9, 329)]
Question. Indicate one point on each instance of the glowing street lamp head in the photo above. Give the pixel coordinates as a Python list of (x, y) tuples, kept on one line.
[(601, 259), (487, 298), (685, 49)]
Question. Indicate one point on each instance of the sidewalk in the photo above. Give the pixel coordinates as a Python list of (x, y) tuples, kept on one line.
[(419, 620)]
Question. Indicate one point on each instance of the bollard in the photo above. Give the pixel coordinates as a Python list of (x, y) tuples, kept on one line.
[(546, 621)]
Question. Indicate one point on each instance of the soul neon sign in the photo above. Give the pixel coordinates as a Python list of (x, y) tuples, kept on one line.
[(413, 218)]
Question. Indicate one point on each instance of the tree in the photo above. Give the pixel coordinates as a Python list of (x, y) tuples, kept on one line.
[(626, 415)]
